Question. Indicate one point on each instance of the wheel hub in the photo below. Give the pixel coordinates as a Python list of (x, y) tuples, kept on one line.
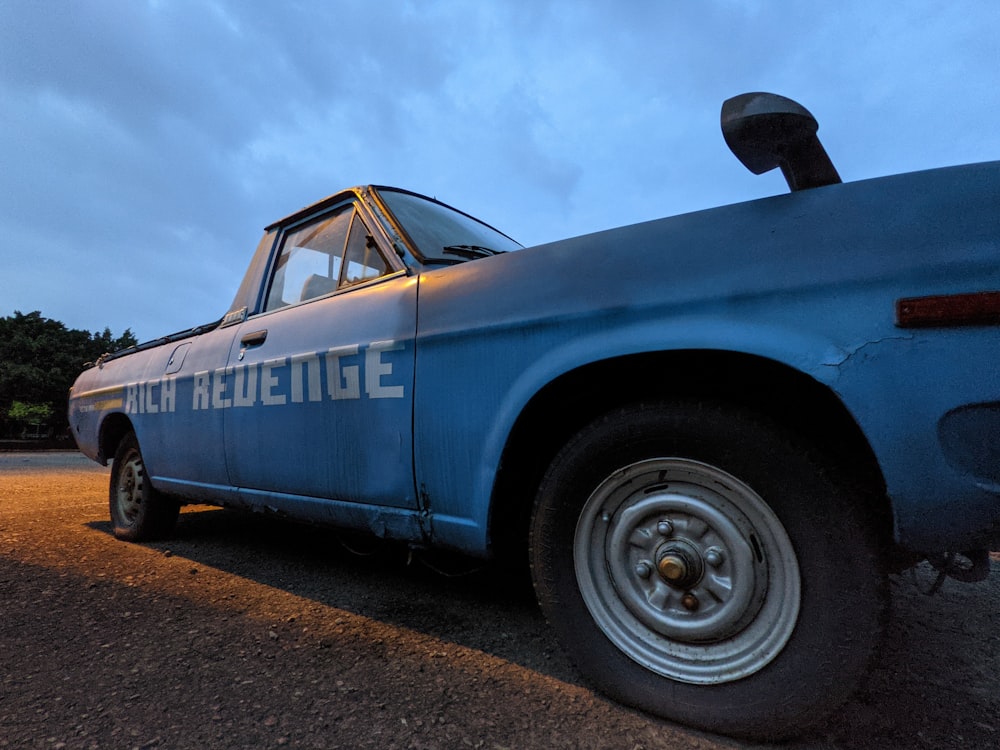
[(679, 564)]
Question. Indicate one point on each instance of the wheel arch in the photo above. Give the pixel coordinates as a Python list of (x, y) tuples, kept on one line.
[(575, 398), (113, 429)]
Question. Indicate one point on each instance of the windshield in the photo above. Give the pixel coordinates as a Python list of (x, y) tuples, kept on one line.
[(442, 234)]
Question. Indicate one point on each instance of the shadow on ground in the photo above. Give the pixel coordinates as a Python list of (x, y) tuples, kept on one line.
[(935, 685)]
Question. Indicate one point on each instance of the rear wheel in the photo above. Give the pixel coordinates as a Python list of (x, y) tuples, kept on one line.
[(700, 563), (138, 512)]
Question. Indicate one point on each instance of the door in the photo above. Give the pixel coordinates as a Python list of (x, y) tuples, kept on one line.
[(320, 383)]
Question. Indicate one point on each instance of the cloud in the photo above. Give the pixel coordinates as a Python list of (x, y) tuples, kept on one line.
[(146, 144)]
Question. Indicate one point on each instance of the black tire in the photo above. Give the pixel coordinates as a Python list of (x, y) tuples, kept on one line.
[(138, 512), (699, 562)]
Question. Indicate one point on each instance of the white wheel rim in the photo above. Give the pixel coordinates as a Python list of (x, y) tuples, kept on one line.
[(687, 571), (128, 494)]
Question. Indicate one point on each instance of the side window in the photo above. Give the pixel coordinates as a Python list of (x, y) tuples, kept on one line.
[(323, 256), (362, 260)]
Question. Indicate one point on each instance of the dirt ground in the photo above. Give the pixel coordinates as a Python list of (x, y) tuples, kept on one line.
[(246, 632)]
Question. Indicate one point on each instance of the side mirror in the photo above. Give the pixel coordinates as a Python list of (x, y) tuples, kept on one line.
[(765, 131)]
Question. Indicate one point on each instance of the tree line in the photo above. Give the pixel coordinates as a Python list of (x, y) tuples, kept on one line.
[(39, 360)]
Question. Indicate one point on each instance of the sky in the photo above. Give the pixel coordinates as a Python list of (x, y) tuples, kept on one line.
[(145, 144)]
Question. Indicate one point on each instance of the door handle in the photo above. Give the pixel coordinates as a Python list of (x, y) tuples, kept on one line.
[(254, 339), (251, 339)]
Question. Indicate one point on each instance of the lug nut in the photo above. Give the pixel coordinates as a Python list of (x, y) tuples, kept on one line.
[(714, 557), (690, 602), (665, 528), (643, 570)]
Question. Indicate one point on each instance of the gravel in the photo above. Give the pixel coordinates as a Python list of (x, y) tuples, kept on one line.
[(245, 631)]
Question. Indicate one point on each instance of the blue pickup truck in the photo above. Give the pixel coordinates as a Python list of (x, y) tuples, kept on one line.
[(712, 437)]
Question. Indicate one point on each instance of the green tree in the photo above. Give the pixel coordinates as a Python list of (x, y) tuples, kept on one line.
[(30, 415), (39, 360)]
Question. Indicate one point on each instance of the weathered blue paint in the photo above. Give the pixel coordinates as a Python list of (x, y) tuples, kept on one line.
[(388, 407), (812, 285)]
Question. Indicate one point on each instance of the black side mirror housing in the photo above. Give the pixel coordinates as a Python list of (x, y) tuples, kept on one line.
[(765, 131)]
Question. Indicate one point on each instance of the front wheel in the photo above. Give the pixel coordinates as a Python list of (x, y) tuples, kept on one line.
[(138, 512), (698, 562)]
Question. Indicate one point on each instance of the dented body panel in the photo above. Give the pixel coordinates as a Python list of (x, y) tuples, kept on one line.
[(390, 404)]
